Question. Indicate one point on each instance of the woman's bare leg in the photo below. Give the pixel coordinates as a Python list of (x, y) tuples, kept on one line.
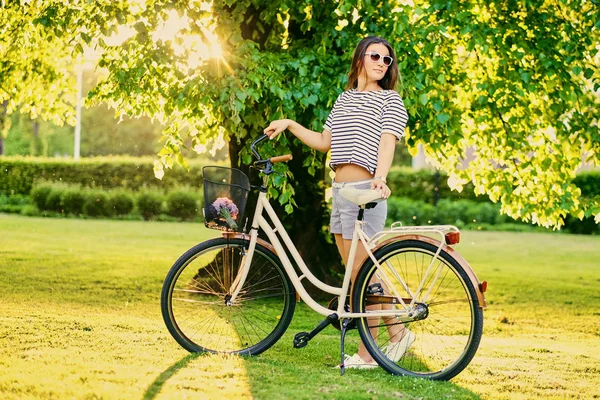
[(360, 256), (395, 330)]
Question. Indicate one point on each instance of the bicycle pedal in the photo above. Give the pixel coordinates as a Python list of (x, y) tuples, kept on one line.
[(375, 289), (301, 339)]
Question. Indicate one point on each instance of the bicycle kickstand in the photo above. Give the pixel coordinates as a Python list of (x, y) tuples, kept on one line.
[(344, 329)]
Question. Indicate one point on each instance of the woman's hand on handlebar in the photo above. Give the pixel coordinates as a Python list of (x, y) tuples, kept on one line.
[(276, 127)]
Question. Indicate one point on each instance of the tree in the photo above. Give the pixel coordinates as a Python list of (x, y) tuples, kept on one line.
[(35, 68), (516, 80)]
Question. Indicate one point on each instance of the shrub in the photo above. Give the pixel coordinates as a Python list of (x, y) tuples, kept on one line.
[(11, 208), (14, 203), (149, 203), (410, 212), (96, 203), (18, 200), (30, 211), (453, 212), (120, 202), (39, 195), (448, 212), (182, 204), (73, 200), (53, 201), (486, 213)]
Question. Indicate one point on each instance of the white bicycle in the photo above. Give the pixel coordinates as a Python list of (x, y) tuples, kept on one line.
[(237, 293)]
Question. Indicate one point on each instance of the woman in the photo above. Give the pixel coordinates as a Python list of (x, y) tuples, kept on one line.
[(362, 130)]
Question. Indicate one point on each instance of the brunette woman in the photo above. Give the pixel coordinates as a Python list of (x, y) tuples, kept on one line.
[(366, 122)]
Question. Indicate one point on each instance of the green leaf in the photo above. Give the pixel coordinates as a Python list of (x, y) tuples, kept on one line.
[(273, 193), (86, 38), (240, 94), (443, 118), (423, 99)]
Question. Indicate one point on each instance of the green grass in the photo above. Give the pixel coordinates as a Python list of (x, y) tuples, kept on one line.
[(81, 319)]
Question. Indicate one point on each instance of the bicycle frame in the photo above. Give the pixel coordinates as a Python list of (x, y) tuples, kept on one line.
[(260, 221)]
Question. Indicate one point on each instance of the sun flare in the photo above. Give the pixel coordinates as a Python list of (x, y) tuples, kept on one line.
[(199, 48)]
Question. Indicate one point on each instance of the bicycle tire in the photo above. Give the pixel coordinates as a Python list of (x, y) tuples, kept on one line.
[(440, 345), (193, 299)]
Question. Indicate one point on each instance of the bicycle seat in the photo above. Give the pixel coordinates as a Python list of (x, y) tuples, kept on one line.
[(360, 197)]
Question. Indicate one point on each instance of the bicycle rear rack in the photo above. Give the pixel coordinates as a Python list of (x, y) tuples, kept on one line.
[(449, 234)]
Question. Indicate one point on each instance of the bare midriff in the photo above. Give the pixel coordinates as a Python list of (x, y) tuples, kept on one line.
[(351, 173)]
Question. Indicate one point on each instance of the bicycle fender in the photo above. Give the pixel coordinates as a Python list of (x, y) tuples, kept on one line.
[(453, 253), (238, 235)]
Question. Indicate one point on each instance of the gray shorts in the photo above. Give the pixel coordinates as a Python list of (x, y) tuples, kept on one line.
[(344, 212)]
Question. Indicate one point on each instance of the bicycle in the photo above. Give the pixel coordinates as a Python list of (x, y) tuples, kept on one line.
[(237, 293)]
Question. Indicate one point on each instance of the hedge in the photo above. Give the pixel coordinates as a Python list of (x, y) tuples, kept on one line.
[(19, 174), (447, 212), (62, 199), (420, 185)]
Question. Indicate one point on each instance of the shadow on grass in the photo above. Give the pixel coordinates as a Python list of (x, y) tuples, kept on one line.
[(310, 373), (271, 376), (158, 383)]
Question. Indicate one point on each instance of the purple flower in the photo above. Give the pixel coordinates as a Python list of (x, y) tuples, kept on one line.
[(227, 210)]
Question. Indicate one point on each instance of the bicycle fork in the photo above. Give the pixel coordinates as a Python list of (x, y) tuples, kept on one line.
[(240, 279)]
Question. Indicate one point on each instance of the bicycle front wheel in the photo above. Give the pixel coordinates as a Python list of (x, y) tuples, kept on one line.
[(444, 332), (195, 295)]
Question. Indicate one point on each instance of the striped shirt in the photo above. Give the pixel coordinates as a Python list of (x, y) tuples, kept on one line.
[(356, 123)]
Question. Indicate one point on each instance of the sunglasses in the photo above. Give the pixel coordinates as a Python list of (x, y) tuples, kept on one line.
[(375, 57)]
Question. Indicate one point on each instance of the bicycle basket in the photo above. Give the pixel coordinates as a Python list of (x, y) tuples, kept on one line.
[(225, 195)]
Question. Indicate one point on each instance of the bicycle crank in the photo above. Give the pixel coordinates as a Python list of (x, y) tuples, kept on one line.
[(333, 304)]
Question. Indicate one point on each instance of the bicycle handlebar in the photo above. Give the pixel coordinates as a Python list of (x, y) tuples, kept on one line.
[(283, 158), (257, 141), (272, 160)]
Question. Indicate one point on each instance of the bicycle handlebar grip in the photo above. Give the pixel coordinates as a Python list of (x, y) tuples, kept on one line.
[(286, 157)]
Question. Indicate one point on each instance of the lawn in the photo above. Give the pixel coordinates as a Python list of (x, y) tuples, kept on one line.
[(81, 319)]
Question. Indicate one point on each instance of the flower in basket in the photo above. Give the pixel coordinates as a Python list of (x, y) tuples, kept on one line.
[(227, 210)]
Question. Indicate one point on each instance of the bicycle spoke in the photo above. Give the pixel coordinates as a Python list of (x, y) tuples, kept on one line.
[(442, 338), (257, 318)]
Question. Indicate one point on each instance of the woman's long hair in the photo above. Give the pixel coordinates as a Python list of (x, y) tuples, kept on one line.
[(388, 82)]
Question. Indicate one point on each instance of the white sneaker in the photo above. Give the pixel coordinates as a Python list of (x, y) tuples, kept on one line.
[(395, 350), (355, 362)]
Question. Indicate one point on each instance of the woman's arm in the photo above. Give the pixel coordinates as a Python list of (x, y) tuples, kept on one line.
[(314, 140), (385, 156)]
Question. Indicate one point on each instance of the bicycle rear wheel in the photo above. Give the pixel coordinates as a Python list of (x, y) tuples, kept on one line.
[(446, 330), (196, 289)]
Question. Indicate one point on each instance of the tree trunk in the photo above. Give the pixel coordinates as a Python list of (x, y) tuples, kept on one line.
[(305, 224), (36, 143)]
